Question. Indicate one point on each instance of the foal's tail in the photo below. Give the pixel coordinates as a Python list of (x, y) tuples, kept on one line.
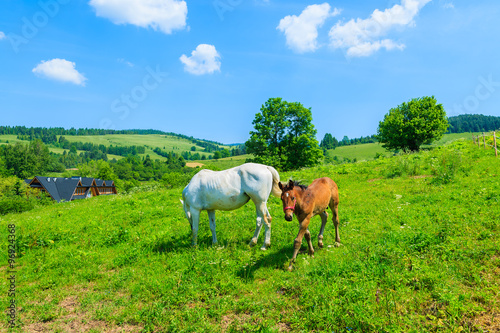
[(276, 191)]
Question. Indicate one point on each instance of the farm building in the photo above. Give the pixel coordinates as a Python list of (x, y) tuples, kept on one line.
[(68, 189)]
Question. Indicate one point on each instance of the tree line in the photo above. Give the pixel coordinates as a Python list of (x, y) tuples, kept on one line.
[(40, 132), (330, 142), (473, 123)]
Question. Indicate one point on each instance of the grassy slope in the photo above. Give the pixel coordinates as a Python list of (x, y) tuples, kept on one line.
[(366, 152), (164, 142), (419, 254)]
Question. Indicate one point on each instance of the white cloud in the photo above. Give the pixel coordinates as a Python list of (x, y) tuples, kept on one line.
[(126, 62), (302, 31), (361, 36), (2, 35), (203, 60), (448, 5), (60, 70), (163, 15)]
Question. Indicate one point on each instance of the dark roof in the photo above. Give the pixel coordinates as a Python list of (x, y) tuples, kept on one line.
[(109, 183), (64, 188), (86, 181), (50, 185)]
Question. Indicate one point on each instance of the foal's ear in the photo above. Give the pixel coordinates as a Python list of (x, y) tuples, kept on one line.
[(280, 185), (290, 184)]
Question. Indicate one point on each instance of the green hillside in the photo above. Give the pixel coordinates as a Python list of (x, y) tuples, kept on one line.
[(149, 141), (368, 151), (420, 253)]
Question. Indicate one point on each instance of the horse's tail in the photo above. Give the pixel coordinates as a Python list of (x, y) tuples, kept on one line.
[(186, 209), (276, 191)]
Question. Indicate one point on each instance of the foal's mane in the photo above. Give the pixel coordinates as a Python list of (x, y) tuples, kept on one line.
[(297, 183)]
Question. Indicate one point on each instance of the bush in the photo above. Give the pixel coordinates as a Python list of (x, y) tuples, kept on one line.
[(177, 179), (446, 164)]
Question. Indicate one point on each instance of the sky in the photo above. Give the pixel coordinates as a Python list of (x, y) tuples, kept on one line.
[(205, 68)]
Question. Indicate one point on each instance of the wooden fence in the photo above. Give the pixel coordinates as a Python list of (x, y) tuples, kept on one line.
[(477, 140)]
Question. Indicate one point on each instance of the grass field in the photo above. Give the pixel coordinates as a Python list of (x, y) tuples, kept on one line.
[(366, 152), (151, 141), (420, 253)]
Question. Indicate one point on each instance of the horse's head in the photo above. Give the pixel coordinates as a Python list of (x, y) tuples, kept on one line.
[(289, 199)]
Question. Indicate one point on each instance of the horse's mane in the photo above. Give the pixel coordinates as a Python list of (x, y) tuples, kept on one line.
[(297, 183)]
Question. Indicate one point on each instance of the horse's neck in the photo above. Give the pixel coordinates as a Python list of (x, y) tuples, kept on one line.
[(299, 194)]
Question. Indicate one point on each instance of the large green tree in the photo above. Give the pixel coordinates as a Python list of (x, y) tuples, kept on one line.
[(284, 136), (412, 124)]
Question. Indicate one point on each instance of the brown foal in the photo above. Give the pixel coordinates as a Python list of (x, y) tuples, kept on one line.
[(306, 202)]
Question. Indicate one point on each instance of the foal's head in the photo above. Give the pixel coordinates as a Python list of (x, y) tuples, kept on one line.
[(288, 197)]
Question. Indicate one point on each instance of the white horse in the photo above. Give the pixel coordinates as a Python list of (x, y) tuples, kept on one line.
[(230, 189)]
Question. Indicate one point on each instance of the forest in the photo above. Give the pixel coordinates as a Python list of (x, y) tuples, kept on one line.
[(473, 123)]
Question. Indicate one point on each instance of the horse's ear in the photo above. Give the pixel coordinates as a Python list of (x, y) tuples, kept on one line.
[(280, 185), (290, 184)]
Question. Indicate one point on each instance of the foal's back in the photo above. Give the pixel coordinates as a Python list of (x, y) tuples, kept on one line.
[(322, 192)]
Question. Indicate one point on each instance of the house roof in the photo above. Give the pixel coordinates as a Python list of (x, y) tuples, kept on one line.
[(64, 188), (109, 183)]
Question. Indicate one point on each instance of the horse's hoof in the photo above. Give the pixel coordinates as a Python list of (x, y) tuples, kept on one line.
[(252, 242), (338, 244), (263, 248), (290, 268), (320, 245)]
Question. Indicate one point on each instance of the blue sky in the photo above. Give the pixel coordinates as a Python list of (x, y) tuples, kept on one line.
[(204, 68)]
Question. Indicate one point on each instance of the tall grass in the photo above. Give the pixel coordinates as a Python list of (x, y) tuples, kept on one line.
[(420, 253)]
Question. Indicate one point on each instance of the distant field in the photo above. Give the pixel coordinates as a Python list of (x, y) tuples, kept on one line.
[(362, 152), (369, 150), (151, 141)]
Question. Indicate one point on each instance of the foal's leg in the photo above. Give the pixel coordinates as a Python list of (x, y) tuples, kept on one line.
[(211, 217), (298, 241), (335, 218), (307, 235), (195, 216), (324, 219)]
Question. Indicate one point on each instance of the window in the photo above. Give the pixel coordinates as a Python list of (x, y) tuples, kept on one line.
[(80, 191)]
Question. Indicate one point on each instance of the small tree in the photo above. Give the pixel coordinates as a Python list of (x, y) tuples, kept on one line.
[(412, 124), (284, 136)]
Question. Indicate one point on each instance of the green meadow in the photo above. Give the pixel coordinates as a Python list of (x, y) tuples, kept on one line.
[(150, 141), (420, 253)]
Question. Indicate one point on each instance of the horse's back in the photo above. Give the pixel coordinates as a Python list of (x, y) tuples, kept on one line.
[(229, 189), (326, 189), (257, 179)]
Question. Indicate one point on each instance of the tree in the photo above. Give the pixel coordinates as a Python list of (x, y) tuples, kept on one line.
[(409, 125), (284, 136), (328, 142), (25, 161)]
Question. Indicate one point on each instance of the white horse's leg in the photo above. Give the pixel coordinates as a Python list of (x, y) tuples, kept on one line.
[(195, 216), (263, 216), (211, 217), (257, 232)]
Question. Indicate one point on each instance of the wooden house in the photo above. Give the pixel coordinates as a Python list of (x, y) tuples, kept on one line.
[(68, 189)]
